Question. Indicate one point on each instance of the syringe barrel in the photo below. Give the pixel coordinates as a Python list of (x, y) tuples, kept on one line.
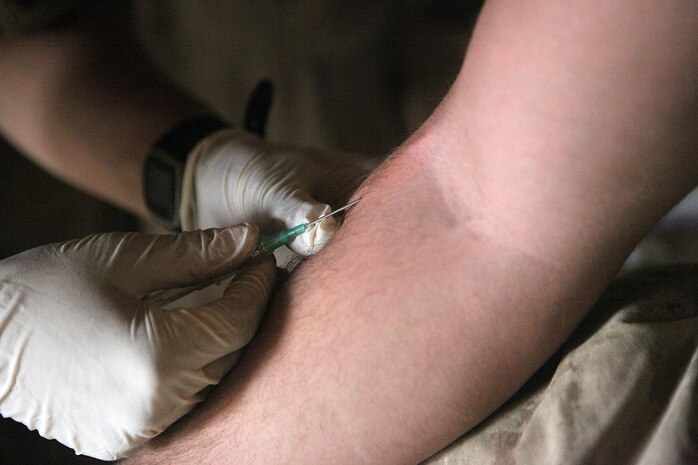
[(268, 244)]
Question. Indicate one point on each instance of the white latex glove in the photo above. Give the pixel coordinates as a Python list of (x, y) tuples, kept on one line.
[(233, 176), (86, 360)]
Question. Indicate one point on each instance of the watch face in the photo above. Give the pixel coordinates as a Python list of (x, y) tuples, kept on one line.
[(164, 167), (161, 187)]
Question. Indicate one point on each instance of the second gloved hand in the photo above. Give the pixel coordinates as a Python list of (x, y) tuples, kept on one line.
[(233, 176), (86, 359)]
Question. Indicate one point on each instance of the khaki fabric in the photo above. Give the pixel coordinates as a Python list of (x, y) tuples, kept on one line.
[(622, 390)]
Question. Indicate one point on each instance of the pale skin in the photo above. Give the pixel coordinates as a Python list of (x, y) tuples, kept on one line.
[(476, 249)]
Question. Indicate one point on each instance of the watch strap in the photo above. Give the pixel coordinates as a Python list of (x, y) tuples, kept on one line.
[(164, 166)]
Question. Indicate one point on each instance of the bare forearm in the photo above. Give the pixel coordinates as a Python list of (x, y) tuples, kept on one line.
[(476, 249), (84, 102)]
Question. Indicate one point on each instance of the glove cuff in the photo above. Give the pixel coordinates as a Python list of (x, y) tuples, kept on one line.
[(165, 165), (188, 212)]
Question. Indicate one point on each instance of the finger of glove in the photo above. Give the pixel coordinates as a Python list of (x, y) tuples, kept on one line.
[(228, 323), (152, 262), (299, 208), (232, 178), (218, 368)]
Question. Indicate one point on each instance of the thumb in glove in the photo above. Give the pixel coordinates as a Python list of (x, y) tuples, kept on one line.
[(89, 361)]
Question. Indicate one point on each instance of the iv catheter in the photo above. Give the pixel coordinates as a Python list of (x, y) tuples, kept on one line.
[(267, 245)]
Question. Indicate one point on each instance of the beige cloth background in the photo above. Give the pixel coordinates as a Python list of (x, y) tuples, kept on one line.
[(622, 390), (354, 75)]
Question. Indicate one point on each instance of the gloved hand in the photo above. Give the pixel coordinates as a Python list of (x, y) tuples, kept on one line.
[(233, 176), (86, 360)]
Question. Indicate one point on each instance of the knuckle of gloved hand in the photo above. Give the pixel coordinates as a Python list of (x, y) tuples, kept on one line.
[(273, 169), (87, 255), (143, 393), (144, 377), (239, 237), (265, 279), (232, 335), (228, 243)]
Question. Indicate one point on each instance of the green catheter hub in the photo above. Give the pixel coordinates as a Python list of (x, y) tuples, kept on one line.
[(268, 244)]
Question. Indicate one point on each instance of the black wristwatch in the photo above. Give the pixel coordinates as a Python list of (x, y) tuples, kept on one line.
[(164, 166)]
